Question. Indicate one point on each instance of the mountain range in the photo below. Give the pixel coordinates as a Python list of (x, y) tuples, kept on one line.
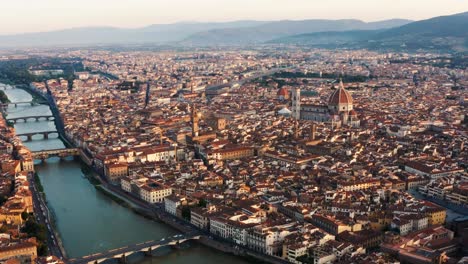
[(446, 33), (276, 29), (192, 33), (158, 33)]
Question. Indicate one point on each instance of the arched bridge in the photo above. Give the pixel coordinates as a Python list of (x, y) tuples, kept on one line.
[(123, 252), (62, 153), (32, 103), (26, 118), (45, 134)]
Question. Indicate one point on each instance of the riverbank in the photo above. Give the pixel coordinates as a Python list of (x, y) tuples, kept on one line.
[(90, 173), (121, 199), (89, 221), (56, 246), (41, 210), (4, 98)]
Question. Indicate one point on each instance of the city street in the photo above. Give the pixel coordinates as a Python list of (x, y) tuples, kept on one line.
[(42, 215)]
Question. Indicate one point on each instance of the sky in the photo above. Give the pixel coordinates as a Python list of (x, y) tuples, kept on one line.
[(22, 16)]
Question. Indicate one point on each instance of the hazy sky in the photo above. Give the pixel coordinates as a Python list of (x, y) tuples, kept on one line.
[(18, 16)]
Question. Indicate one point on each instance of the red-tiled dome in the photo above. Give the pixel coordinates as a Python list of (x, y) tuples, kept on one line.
[(352, 113), (282, 92), (340, 96)]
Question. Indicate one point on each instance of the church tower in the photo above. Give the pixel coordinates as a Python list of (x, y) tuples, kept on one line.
[(194, 118), (296, 103)]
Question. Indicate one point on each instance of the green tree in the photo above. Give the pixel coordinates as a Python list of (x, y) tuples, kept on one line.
[(202, 203), (3, 229), (24, 216), (3, 199), (186, 213)]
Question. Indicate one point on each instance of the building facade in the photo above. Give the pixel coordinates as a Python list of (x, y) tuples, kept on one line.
[(339, 110)]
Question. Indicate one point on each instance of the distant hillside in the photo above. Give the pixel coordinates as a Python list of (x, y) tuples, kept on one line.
[(192, 33), (439, 33), (329, 38), (277, 29), (446, 33), (159, 33)]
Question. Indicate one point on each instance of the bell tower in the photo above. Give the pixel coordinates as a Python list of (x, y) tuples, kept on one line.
[(296, 103), (194, 119)]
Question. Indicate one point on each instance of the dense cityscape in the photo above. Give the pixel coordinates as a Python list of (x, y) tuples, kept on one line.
[(290, 163), (259, 153)]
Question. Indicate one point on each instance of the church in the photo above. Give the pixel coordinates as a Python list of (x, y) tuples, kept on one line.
[(338, 112)]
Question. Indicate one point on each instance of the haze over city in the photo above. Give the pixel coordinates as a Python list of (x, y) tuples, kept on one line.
[(22, 16)]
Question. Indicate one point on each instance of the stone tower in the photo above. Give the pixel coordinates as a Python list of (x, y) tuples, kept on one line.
[(194, 118), (296, 103)]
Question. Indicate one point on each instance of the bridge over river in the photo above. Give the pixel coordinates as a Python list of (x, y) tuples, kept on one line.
[(122, 253), (31, 103), (27, 118), (45, 134), (62, 153)]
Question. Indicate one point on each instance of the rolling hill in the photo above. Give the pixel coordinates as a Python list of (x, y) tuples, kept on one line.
[(158, 33), (277, 29), (445, 33), (192, 33)]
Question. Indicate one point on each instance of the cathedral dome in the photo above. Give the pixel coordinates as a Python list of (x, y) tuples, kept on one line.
[(340, 97), (283, 92)]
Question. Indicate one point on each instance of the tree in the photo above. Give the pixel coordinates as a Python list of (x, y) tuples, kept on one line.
[(33, 229), (42, 249), (202, 203), (3, 229), (186, 213), (24, 216), (3, 199)]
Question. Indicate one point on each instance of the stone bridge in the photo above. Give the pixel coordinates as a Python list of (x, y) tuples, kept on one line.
[(45, 134), (122, 253), (32, 103), (26, 118), (62, 153)]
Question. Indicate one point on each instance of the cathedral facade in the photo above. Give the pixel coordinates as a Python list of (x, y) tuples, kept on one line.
[(339, 110)]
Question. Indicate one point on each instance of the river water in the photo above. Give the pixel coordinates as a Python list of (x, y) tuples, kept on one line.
[(88, 221)]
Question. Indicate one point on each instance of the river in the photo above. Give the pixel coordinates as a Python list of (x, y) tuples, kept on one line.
[(88, 221)]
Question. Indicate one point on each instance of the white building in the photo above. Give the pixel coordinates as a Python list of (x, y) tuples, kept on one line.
[(126, 184), (172, 202), (154, 192)]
